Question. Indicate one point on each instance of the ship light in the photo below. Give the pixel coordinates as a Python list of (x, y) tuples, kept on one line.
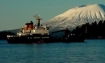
[(34, 31), (19, 34)]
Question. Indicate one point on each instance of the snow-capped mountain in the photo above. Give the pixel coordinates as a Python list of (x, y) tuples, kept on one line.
[(77, 16)]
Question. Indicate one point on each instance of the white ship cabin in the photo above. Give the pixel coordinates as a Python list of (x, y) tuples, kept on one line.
[(31, 29)]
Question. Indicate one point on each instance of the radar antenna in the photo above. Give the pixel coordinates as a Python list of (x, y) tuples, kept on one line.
[(38, 20), (37, 17)]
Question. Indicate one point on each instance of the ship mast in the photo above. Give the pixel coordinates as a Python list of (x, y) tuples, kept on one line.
[(38, 20)]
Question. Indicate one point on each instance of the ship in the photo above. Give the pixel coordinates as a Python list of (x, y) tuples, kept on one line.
[(31, 33)]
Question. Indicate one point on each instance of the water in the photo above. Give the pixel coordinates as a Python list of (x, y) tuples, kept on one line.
[(91, 51)]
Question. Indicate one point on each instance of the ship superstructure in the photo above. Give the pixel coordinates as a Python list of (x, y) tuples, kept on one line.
[(31, 29)]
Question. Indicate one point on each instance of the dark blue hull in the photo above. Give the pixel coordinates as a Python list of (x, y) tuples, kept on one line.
[(44, 39)]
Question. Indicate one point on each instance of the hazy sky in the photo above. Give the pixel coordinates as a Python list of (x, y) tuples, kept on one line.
[(15, 13)]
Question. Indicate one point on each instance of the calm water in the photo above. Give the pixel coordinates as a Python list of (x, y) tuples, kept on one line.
[(91, 51)]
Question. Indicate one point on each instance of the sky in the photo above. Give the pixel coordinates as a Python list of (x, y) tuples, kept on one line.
[(15, 13)]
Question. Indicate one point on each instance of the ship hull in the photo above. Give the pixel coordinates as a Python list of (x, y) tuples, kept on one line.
[(28, 39), (44, 39)]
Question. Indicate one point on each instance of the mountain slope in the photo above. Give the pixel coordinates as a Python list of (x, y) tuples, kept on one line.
[(77, 16)]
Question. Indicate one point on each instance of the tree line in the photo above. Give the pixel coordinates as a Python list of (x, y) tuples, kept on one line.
[(93, 30), (3, 34)]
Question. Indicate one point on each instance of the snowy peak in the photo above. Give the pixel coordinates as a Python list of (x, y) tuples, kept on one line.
[(94, 5), (86, 10), (78, 16)]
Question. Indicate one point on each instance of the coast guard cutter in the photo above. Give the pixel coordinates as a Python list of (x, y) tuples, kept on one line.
[(31, 33)]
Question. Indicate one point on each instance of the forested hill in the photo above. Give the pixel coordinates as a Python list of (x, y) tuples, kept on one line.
[(94, 30), (3, 34)]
